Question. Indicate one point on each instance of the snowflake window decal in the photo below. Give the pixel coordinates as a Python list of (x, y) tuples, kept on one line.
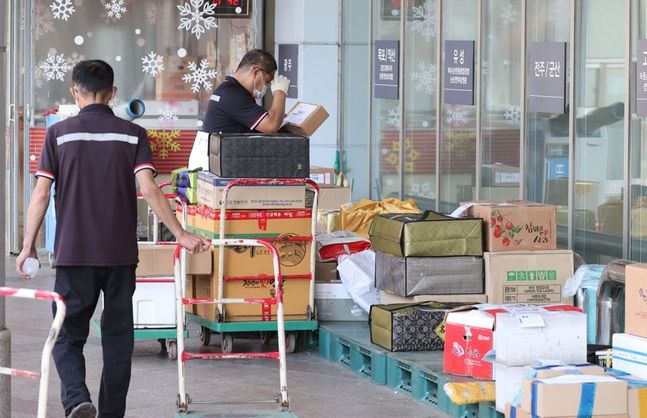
[(509, 14), (457, 118), (116, 9), (512, 114), (393, 117), (75, 58), (199, 76), (424, 77), (197, 17), (55, 67), (424, 19), (62, 9), (164, 142), (168, 115), (43, 21), (152, 64)]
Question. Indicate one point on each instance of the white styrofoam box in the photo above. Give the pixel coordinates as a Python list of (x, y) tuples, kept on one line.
[(335, 304), (523, 338), (630, 354), (508, 383), (154, 303)]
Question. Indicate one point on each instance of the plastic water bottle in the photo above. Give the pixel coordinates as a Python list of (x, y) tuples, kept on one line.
[(31, 266)]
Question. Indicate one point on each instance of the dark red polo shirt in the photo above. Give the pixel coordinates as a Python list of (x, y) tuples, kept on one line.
[(232, 110), (93, 158)]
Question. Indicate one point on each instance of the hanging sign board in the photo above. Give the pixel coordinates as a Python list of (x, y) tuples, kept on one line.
[(458, 87), (289, 67), (386, 73), (546, 77), (641, 84)]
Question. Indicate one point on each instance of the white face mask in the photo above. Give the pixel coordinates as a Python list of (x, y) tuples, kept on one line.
[(258, 94)]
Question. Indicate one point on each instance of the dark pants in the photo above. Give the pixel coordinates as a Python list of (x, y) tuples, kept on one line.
[(80, 287)]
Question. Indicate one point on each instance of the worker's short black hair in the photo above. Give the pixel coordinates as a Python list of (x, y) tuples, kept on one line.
[(258, 58), (93, 76)]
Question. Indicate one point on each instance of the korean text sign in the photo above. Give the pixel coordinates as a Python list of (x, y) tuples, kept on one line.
[(459, 72), (546, 77), (386, 69)]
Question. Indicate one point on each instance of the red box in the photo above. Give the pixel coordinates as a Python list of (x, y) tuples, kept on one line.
[(470, 333)]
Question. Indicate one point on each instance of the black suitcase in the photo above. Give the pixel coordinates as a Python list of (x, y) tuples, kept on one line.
[(259, 155)]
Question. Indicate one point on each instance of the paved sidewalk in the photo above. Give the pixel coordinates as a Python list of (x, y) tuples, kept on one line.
[(317, 388)]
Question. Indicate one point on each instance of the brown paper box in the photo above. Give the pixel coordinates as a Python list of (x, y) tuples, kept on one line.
[(535, 277), (308, 117), (157, 260), (332, 198), (520, 413), (517, 225), (563, 399), (637, 402), (295, 297), (323, 176), (326, 272), (636, 299)]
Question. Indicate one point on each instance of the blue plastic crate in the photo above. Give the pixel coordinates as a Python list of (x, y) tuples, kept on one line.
[(399, 374)]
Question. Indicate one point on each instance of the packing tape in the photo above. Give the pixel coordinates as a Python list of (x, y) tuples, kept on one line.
[(513, 411), (587, 400), (533, 399)]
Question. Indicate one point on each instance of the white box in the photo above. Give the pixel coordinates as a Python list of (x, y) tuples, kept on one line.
[(154, 303), (523, 337), (508, 383), (335, 304), (630, 354)]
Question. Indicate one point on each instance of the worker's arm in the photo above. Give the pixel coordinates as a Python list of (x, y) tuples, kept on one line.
[(272, 122), (35, 215), (156, 200)]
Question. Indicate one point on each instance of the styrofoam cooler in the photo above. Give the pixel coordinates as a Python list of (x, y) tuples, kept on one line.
[(154, 303)]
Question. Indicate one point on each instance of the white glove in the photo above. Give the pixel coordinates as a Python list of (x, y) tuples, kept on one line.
[(281, 83)]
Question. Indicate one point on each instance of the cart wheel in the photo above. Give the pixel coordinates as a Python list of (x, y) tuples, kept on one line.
[(172, 349), (290, 342), (205, 335), (227, 343), (162, 342), (266, 336)]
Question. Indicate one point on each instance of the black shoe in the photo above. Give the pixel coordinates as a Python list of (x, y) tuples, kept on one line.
[(82, 410)]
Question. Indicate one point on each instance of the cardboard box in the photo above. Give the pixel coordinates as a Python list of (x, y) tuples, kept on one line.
[(636, 299), (331, 198), (535, 277), (157, 260), (517, 225), (561, 396), (305, 118), (636, 398), (470, 334), (630, 354), (499, 175), (326, 272), (190, 214), (522, 339), (509, 379), (386, 298), (295, 296), (210, 188), (516, 412), (335, 304), (323, 176)]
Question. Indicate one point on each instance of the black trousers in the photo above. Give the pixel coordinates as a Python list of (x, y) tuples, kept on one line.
[(80, 288)]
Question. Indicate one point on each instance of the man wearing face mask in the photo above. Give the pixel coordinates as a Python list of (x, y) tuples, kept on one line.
[(233, 108)]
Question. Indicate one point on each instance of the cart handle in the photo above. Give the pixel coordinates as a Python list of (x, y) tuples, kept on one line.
[(43, 376)]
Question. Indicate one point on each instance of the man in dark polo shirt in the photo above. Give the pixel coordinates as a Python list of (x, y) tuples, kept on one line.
[(232, 106), (95, 159)]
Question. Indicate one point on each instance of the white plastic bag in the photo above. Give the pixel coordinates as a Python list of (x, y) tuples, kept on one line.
[(357, 273), (199, 156)]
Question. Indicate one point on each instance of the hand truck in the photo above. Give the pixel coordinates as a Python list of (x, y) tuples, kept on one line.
[(183, 398), (165, 334), (43, 376), (266, 326)]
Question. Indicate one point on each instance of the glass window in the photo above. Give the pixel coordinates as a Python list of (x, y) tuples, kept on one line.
[(385, 119), (159, 52), (356, 93), (546, 149), (458, 124), (599, 136), (501, 100), (420, 74)]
